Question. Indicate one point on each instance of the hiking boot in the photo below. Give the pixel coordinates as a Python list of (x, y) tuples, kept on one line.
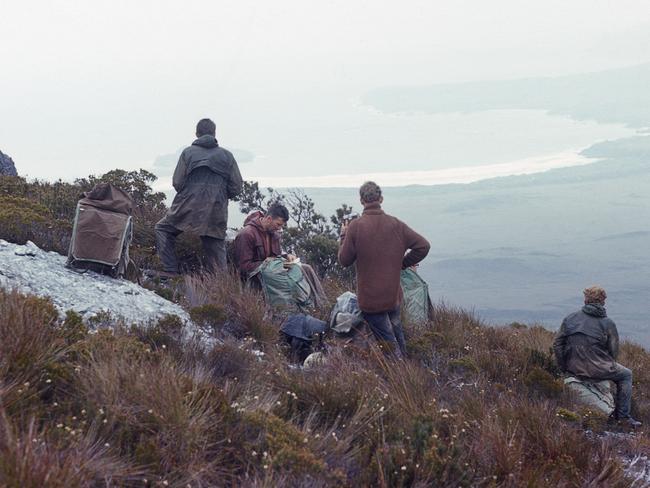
[(626, 422), (630, 423)]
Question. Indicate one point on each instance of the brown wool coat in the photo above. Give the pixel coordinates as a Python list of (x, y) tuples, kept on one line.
[(253, 245), (378, 244)]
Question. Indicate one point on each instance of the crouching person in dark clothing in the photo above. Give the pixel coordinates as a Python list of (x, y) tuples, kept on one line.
[(586, 346), (381, 246), (206, 177)]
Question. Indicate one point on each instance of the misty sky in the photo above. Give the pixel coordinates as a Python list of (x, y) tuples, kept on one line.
[(87, 86)]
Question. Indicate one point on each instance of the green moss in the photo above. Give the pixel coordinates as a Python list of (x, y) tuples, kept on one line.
[(165, 333), (106, 341), (542, 382), (422, 345), (518, 325), (209, 316), (543, 360), (593, 419), (166, 293), (23, 220), (146, 452), (73, 327), (286, 446), (567, 415), (103, 318), (422, 430), (464, 364)]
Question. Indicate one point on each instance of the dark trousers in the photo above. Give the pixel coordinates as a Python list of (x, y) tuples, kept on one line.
[(387, 329), (623, 379), (213, 248)]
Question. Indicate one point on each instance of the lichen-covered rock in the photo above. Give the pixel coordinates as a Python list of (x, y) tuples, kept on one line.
[(28, 269), (7, 166)]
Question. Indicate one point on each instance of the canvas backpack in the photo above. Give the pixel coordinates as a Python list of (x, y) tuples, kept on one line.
[(283, 286), (417, 304), (102, 231)]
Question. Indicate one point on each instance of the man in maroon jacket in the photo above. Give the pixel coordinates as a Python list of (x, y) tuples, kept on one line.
[(259, 238), (381, 246)]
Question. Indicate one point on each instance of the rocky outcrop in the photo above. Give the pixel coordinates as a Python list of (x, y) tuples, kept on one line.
[(31, 270), (7, 166)]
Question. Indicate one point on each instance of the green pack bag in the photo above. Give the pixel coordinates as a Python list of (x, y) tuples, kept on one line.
[(283, 286), (417, 304)]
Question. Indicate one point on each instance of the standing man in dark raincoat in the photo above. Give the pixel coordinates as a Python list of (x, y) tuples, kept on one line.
[(206, 177), (586, 346)]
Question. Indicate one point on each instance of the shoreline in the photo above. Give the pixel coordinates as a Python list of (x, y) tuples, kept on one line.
[(438, 177)]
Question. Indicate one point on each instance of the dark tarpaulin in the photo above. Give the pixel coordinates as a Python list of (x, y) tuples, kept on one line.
[(303, 326)]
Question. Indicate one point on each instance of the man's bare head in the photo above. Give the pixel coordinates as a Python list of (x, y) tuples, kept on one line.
[(276, 216), (370, 193), (595, 294)]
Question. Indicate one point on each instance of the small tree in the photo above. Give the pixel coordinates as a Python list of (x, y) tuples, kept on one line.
[(251, 198)]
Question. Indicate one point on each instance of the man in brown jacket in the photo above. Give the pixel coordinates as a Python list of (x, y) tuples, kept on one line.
[(381, 246), (259, 239), (586, 346), (206, 176)]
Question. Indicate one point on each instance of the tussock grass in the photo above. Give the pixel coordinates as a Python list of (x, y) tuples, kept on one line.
[(34, 458), (472, 406), (229, 306)]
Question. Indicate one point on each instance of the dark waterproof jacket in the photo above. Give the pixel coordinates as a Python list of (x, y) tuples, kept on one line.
[(253, 245), (587, 343), (206, 176), (380, 246)]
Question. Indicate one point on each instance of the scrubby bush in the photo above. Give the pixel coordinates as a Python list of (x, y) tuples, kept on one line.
[(23, 220), (43, 212)]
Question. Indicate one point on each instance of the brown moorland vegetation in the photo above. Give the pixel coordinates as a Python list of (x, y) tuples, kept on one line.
[(111, 404), (473, 406)]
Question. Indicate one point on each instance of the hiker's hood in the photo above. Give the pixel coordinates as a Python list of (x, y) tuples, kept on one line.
[(255, 219), (108, 197), (595, 310), (207, 141)]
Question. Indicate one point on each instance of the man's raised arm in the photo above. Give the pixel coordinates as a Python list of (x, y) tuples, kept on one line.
[(347, 251)]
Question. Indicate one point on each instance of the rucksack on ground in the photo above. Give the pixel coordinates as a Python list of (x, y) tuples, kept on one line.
[(346, 314), (283, 286), (102, 231), (417, 305)]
